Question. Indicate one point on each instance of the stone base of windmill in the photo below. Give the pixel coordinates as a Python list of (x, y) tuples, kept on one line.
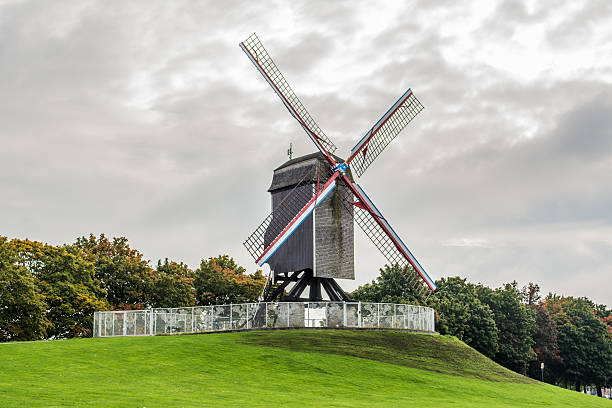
[(264, 315)]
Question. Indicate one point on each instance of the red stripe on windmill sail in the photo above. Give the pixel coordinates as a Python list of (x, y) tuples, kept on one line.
[(384, 131), (258, 55), (390, 232), (297, 220)]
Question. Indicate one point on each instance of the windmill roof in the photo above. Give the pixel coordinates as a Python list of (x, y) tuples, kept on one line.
[(317, 155), (301, 168)]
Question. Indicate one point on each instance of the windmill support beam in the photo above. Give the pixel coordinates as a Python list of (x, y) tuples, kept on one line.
[(302, 280), (300, 285), (330, 290), (278, 290)]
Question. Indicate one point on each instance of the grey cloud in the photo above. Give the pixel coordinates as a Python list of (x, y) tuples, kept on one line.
[(146, 120)]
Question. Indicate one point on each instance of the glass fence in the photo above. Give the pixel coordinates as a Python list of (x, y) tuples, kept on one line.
[(263, 315)]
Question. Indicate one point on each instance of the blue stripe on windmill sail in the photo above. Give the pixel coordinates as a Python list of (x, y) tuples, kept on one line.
[(382, 119), (299, 221), (407, 251)]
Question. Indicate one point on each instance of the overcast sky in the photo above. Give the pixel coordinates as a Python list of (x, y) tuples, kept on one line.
[(146, 120)]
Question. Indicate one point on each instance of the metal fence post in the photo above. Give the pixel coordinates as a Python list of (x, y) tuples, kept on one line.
[(359, 315), (378, 315), (231, 316), (432, 320), (94, 331), (344, 307)]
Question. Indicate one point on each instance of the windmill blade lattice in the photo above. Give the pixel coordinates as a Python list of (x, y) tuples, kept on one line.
[(382, 239), (384, 131), (385, 245), (268, 69), (278, 219)]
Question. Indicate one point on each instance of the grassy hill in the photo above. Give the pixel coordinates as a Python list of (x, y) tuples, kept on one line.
[(338, 368)]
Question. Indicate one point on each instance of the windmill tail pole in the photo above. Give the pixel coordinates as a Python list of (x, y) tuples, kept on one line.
[(265, 288)]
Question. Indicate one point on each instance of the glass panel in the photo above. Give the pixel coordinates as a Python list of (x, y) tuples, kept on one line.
[(335, 314), (352, 315), (117, 324), (316, 314), (274, 316), (296, 314), (369, 315)]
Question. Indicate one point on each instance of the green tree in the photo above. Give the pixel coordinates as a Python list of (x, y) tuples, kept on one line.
[(66, 282), (391, 286), (173, 285), (515, 322), (220, 280), (22, 311), (584, 343), (460, 313), (122, 271)]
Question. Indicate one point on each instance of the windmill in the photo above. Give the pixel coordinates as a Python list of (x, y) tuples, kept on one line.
[(317, 185)]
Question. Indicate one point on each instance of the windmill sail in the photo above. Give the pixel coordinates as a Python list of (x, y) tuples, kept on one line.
[(384, 131), (334, 234), (384, 237), (258, 55), (284, 220)]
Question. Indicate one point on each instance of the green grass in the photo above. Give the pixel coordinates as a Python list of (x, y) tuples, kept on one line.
[(331, 368)]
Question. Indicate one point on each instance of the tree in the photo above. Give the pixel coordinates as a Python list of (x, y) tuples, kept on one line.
[(22, 312), (220, 280), (460, 313), (531, 294), (123, 273), (515, 322), (173, 285), (545, 345), (584, 343), (391, 286), (605, 315), (66, 282)]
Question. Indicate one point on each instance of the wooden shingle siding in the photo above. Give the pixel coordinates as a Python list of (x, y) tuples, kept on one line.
[(328, 250)]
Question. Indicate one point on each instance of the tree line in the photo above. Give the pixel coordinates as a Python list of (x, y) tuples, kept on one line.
[(51, 292), (516, 327)]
